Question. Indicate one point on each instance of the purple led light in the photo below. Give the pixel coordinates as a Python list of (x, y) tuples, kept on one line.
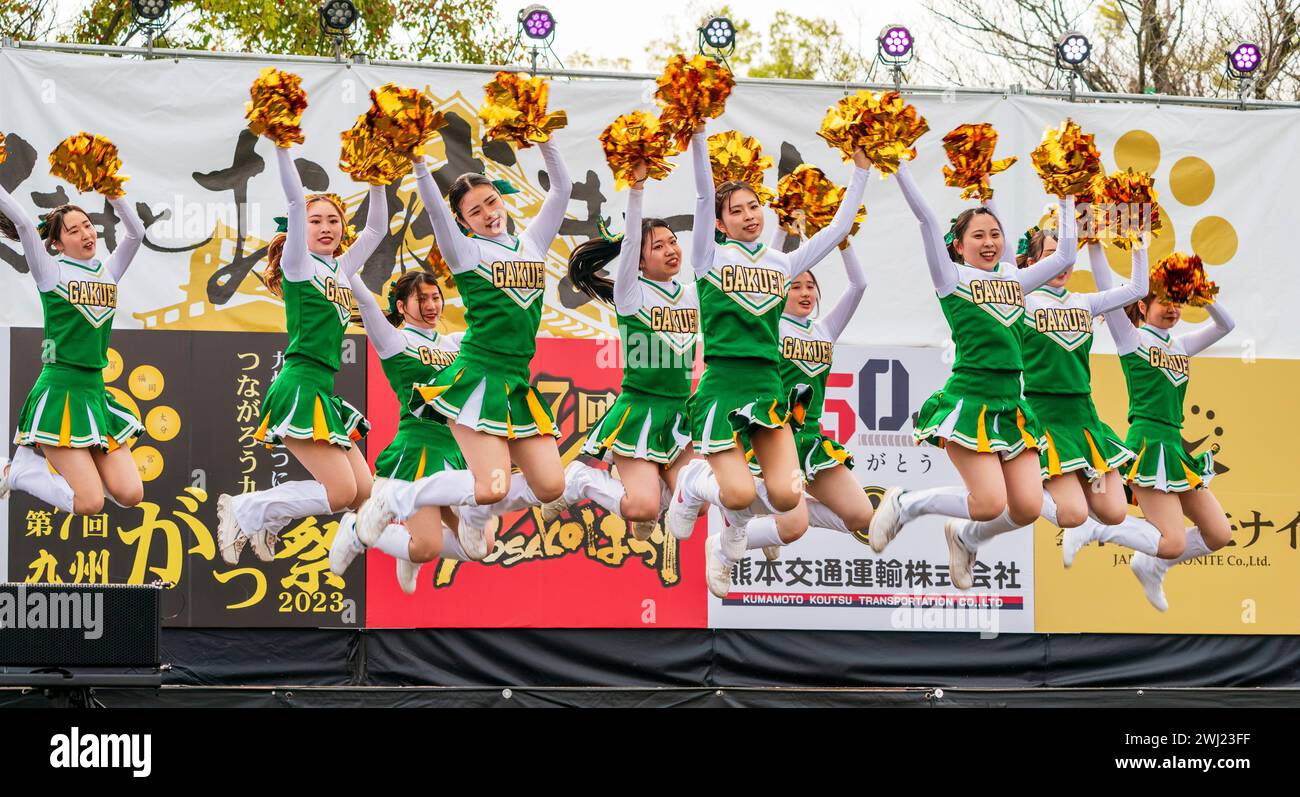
[(539, 24), (1245, 58), (897, 40)]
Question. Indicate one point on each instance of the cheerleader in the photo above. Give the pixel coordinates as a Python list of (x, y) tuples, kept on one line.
[(742, 289), (1167, 482), (411, 352), (307, 267), (646, 432), (1081, 459), (496, 415), (835, 501), (979, 416), (69, 417)]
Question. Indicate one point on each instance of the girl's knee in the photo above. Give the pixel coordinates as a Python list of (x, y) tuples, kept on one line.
[(489, 491), (1069, 515), (987, 507), (1111, 515), (341, 496), (640, 508), (1171, 549), (422, 551), (87, 503), (547, 488), (738, 497)]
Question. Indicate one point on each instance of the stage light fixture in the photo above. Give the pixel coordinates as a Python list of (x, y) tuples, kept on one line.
[(537, 22)]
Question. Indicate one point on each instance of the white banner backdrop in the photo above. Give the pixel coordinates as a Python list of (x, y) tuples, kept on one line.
[(830, 580), (1221, 176)]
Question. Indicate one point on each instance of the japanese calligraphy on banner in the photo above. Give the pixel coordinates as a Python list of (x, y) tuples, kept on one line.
[(831, 580), (199, 395)]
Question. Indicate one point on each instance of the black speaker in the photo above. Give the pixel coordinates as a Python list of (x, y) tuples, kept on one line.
[(79, 625)]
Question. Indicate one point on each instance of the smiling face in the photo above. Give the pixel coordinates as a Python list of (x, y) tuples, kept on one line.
[(77, 237), (740, 216), (324, 227), (422, 307), (1161, 315), (980, 244), (661, 255), (482, 211), (802, 298)]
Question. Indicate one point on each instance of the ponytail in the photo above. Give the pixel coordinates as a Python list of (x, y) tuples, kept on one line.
[(7, 228), (1033, 250), (272, 276), (586, 263)]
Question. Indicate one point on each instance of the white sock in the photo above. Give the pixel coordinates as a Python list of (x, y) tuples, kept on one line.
[(665, 495), (396, 542), (277, 506), (950, 501), (518, 496), (703, 486), (762, 504), (1049, 509), (445, 488), (820, 516), (451, 548), (596, 485), (976, 533), (1195, 547), (762, 532), (1132, 532), (30, 473)]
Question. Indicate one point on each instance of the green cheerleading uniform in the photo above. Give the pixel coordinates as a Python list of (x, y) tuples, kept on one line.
[(502, 283), (1157, 373), (1056, 340), (980, 407), (69, 406), (424, 443)]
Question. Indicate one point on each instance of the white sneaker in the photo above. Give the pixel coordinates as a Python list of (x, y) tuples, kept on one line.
[(231, 540), (887, 521), (374, 515), (345, 547), (734, 540), (476, 525), (263, 544), (643, 529), (1151, 575), (961, 560), (684, 510), (572, 484), (408, 576), (716, 571), (4, 479), (1072, 540), (772, 552)]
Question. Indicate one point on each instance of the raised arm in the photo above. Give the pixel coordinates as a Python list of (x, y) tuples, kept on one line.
[(821, 244), (1117, 321), (1067, 251), (778, 239), (1202, 339), (44, 270), (1103, 301), (943, 272), (546, 224), (368, 240), (129, 245), (460, 253), (706, 215), (840, 315), (627, 294), (293, 263), (386, 340)]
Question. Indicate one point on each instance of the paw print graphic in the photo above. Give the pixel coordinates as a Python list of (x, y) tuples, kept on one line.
[(144, 385), (1193, 446)]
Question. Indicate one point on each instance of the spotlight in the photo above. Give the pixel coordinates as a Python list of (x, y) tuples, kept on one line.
[(1073, 49), (894, 45), (719, 34), (537, 22), (150, 10), (338, 16), (1243, 59)]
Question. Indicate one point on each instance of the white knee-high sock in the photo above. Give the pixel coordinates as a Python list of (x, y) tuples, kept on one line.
[(950, 501), (594, 484), (704, 485), (1195, 547), (1131, 532), (976, 533), (396, 542), (273, 508), (762, 504), (30, 473), (762, 532), (820, 516), (518, 496), (451, 548), (1049, 508), (445, 488)]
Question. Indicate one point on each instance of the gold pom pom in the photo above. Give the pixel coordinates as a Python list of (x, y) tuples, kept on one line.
[(438, 265), (403, 118), (970, 150), (1127, 207), (1068, 161), (90, 163), (514, 110), (884, 126), (690, 91), (635, 138), (367, 159), (807, 201), (740, 158), (1181, 279), (276, 108), (3, 153)]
